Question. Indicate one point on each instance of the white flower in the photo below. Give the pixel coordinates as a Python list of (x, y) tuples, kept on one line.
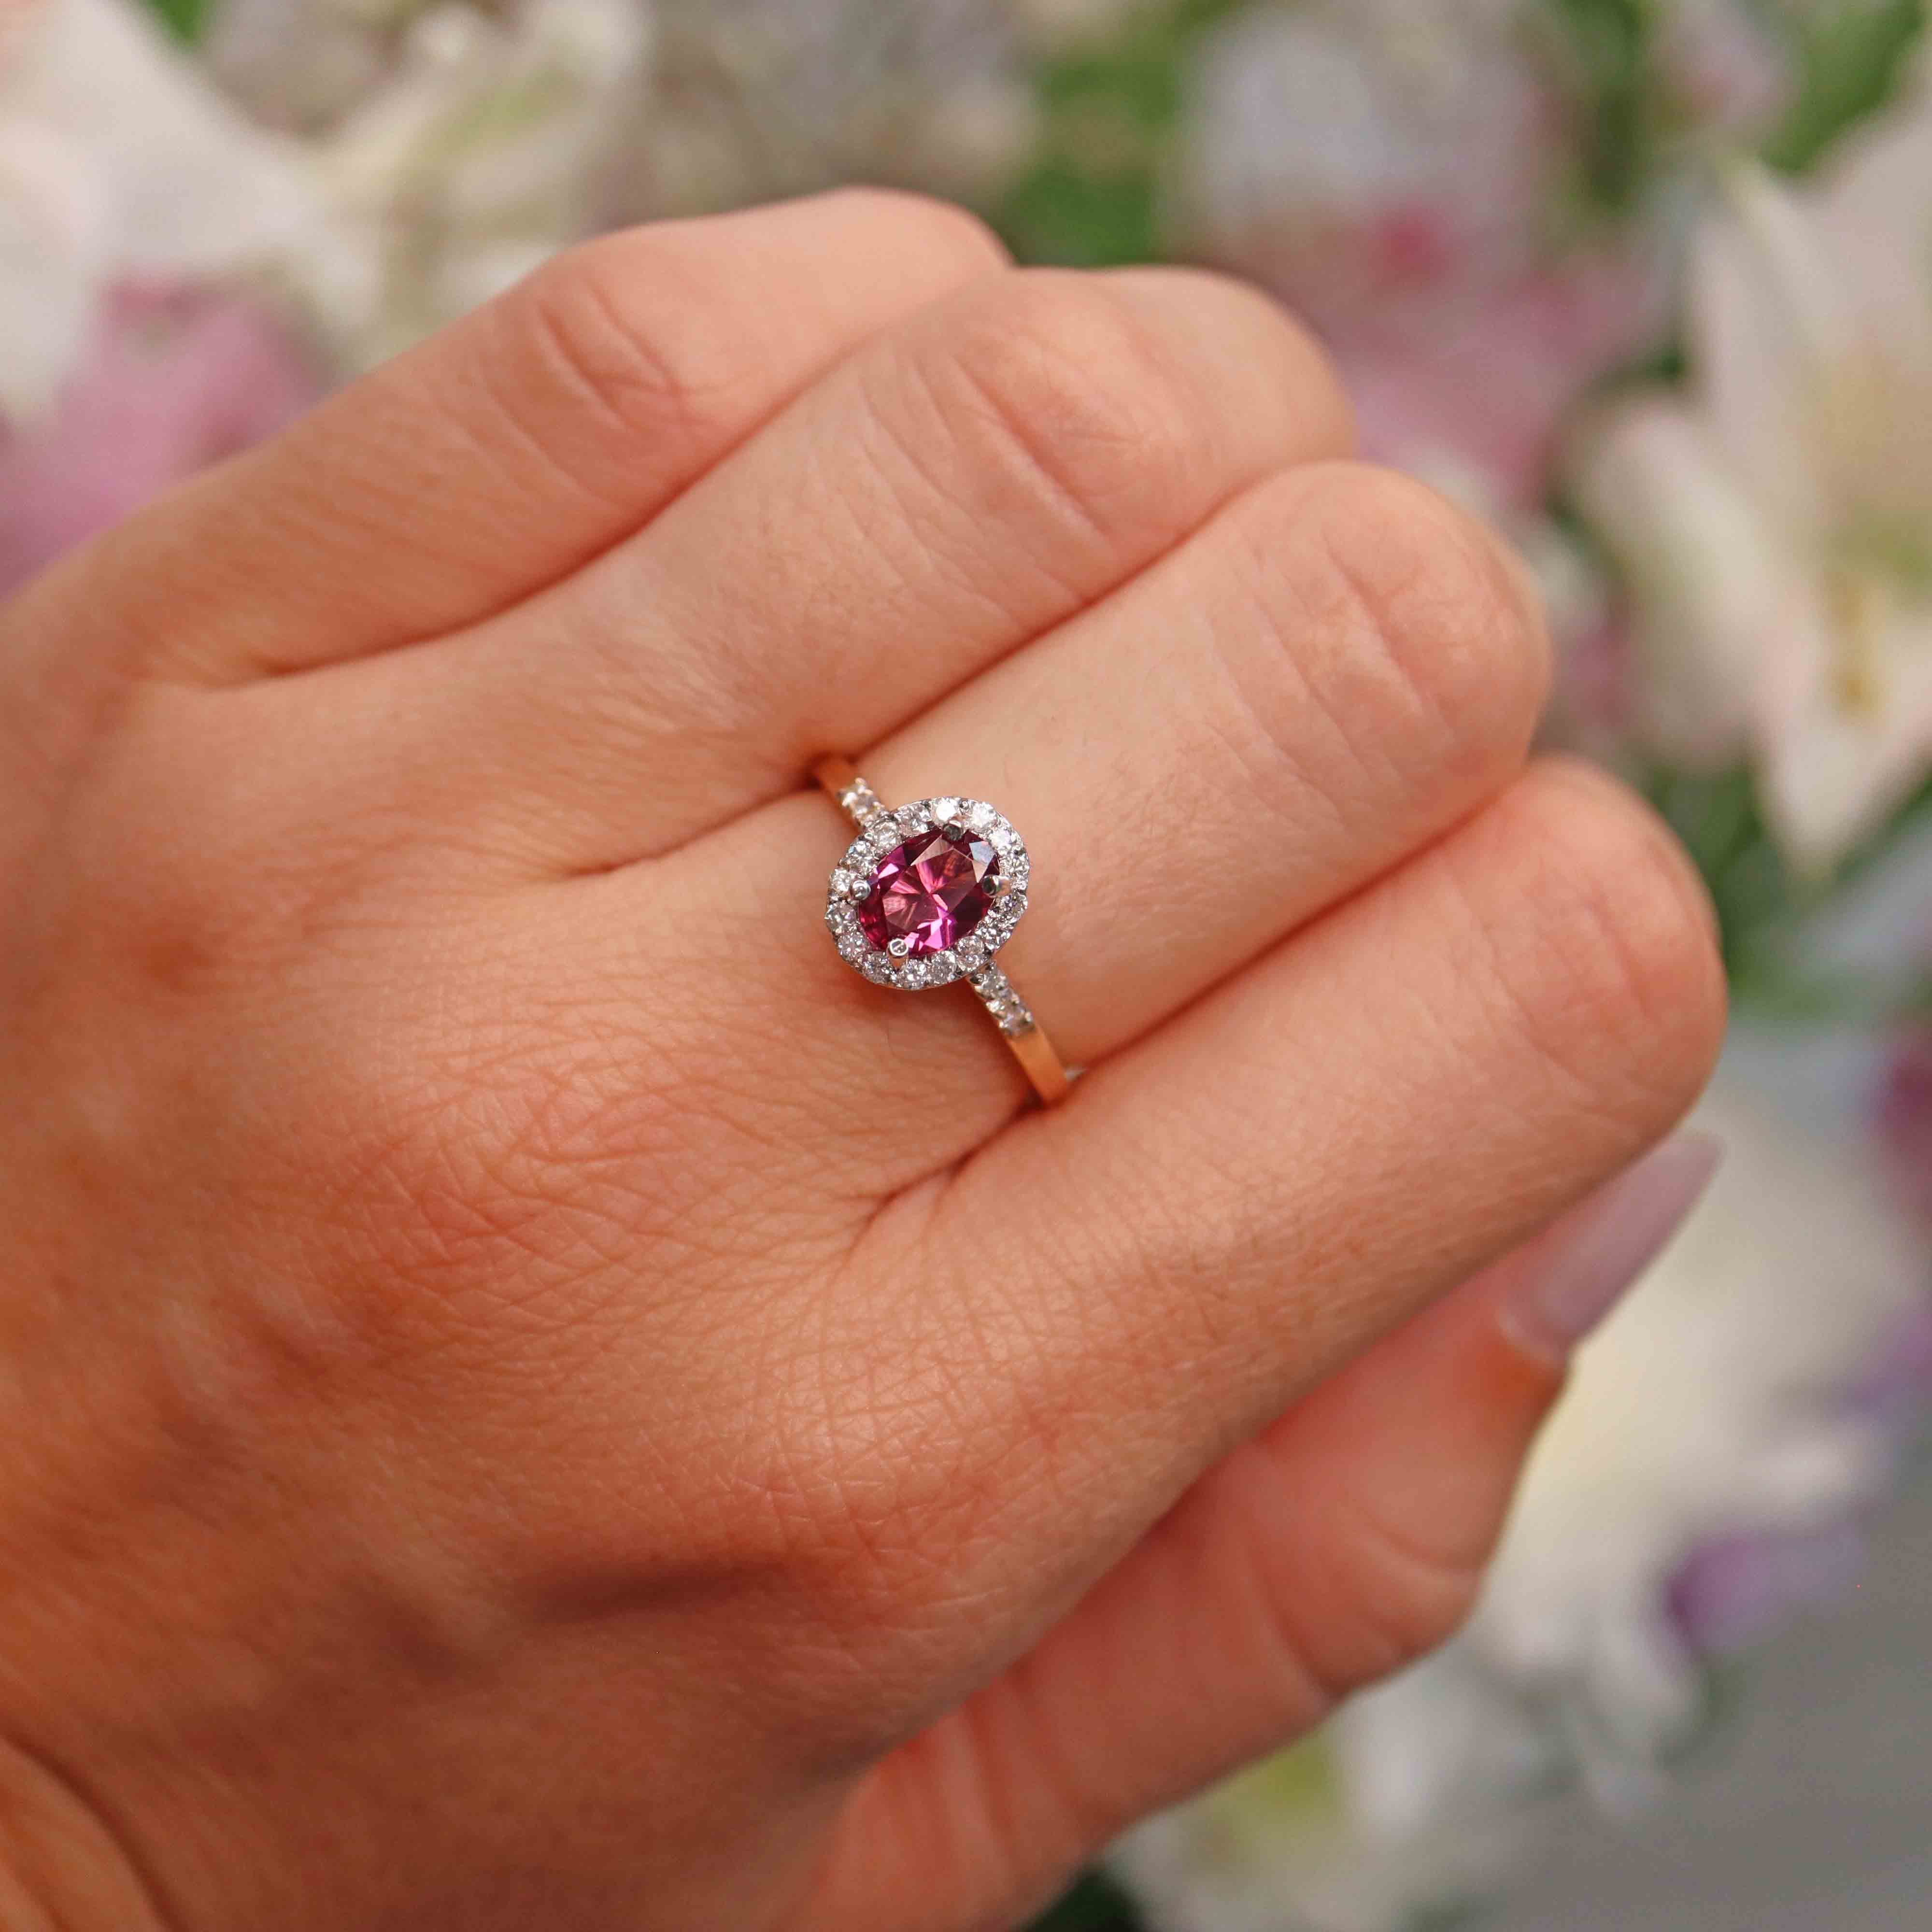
[(1716, 1403), (1777, 526), (474, 154), (1719, 1403), (479, 157), (117, 159)]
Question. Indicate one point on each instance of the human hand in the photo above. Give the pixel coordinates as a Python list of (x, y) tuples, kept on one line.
[(534, 1395)]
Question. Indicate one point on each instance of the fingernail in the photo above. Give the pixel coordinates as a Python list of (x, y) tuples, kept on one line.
[(1599, 1249)]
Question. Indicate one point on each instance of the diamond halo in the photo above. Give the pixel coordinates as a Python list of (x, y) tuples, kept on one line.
[(884, 831)]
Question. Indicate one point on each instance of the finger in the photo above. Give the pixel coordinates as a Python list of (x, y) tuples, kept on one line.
[(491, 460), (968, 482), (1380, 1105), (1339, 668), (1335, 670), (1346, 1540), (1100, 1304)]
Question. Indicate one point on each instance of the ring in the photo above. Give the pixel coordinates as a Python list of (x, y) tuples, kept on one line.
[(928, 894)]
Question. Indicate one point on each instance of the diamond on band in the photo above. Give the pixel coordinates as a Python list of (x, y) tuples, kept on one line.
[(996, 993), (926, 895)]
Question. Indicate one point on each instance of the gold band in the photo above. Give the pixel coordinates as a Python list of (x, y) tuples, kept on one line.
[(840, 778), (1034, 1052)]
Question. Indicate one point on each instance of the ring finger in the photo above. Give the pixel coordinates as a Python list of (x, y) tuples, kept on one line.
[(1333, 672)]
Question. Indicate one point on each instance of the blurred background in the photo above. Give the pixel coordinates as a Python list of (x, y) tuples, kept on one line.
[(1649, 282)]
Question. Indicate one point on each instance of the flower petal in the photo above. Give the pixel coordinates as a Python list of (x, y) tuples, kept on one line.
[(191, 187), (1832, 768), (171, 377), (1771, 324), (54, 257), (1713, 590), (1876, 208)]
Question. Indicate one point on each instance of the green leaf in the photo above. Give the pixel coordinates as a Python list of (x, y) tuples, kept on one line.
[(1096, 1904), (1605, 48), (1108, 109), (1762, 904), (1851, 57), (184, 19)]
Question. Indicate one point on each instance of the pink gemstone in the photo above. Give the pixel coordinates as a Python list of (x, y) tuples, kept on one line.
[(931, 892)]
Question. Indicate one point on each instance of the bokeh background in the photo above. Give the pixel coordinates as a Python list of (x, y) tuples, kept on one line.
[(1647, 281)]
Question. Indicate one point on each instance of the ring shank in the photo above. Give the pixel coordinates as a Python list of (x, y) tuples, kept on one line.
[(1040, 1064), (1044, 1069)]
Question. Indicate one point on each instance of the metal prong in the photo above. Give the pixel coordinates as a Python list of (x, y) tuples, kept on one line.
[(898, 948)]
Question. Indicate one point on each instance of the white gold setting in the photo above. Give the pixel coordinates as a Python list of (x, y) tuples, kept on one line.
[(972, 957)]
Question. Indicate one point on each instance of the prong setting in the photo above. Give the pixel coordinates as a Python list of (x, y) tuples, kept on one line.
[(851, 884)]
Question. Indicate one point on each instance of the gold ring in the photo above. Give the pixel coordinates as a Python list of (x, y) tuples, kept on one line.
[(928, 894)]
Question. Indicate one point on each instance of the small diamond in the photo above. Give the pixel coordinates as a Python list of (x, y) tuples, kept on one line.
[(859, 797), (945, 810), (915, 974), (981, 817)]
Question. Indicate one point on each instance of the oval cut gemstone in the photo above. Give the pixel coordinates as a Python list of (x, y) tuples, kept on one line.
[(931, 892)]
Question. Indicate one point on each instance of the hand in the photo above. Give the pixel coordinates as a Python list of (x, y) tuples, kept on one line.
[(533, 1395)]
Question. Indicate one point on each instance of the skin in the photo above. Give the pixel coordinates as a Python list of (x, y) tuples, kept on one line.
[(532, 1394)]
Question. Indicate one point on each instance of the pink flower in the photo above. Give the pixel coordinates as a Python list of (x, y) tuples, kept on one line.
[(1905, 1123), (174, 376), (1397, 171), (1477, 387), (1738, 1591)]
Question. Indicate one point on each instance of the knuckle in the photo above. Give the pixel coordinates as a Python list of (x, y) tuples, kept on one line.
[(1398, 618), (627, 323), (1390, 1597), (1281, 358), (1617, 981), (1064, 402)]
